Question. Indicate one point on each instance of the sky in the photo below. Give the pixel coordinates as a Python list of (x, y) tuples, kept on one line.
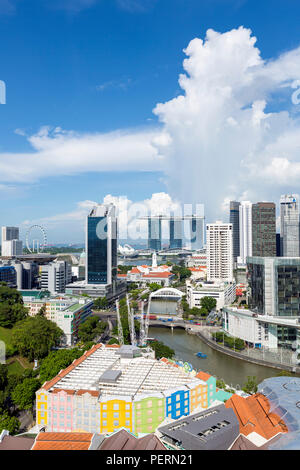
[(162, 103)]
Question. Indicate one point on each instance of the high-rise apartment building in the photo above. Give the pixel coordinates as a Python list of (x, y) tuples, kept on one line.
[(245, 227), (101, 245), (289, 225), (264, 229), (234, 219), (219, 252)]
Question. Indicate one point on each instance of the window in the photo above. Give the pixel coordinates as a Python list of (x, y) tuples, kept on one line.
[(149, 404), (127, 415), (116, 415), (127, 423), (149, 412), (104, 415), (116, 406), (116, 423), (127, 407), (104, 407), (104, 423)]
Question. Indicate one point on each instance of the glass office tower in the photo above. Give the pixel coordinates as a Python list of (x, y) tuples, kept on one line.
[(101, 245), (264, 229), (234, 219), (154, 233), (175, 234), (197, 232)]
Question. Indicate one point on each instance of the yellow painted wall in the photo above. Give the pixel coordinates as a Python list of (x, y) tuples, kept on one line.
[(108, 422), (42, 399)]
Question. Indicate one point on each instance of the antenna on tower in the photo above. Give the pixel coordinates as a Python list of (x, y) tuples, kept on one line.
[(131, 322), (120, 329)]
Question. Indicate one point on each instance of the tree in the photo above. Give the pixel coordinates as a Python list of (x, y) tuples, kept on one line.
[(56, 361), (42, 311), (23, 395), (34, 337), (196, 312), (90, 329), (208, 302), (113, 341), (10, 314), (153, 286), (251, 385), (101, 303), (9, 423), (161, 350), (3, 376)]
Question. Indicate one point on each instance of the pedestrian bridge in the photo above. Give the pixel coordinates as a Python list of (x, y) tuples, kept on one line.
[(167, 293)]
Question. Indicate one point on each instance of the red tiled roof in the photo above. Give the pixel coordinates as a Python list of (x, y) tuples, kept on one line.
[(63, 441), (203, 376), (254, 415), (158, 275)]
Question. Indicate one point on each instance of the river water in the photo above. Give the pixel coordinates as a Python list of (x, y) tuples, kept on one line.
[(232, 371)]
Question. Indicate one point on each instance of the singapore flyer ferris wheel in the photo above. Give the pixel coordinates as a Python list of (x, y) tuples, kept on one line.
[(38, 243)]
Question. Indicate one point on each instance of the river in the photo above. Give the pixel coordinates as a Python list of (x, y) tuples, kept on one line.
[(232, 371)]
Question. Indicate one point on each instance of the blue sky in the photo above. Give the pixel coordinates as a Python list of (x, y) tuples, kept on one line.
[(98, 66)]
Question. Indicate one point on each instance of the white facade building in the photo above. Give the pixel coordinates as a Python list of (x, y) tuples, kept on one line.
[(10, 244), (245, 227), (55, 276), (224, 293), (219, 252), (258, 330)]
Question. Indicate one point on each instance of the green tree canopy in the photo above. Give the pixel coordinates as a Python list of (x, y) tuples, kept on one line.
[(90, 329), (10, 423), (250, 386), (56, 361), (161, 350), (34, 337), (101, 303), (11, 313), (3, 376), (23, 395), (153, 286), (209, 303)]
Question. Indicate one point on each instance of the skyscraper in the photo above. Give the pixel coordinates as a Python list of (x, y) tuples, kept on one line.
[(197, 232), (219, 252), (11, 245), (289, 225), (245, 226), (234, 219), (175, 234), (154, 233), (264, 229), (101, 245)]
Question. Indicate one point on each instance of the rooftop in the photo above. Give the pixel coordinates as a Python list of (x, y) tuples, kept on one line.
[(63, 441), (255, 416), (139, 375)]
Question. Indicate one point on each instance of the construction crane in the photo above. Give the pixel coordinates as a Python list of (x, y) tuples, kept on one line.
[(142, 339), (120, 329), (131, 322), (146, 321)]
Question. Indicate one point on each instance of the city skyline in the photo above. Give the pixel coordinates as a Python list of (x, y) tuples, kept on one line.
[(102, 113)]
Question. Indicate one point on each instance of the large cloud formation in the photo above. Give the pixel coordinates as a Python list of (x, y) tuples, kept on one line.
[(223, 143), (232, 132)]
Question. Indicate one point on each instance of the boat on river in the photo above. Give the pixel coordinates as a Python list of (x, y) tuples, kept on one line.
[(201, 355)]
